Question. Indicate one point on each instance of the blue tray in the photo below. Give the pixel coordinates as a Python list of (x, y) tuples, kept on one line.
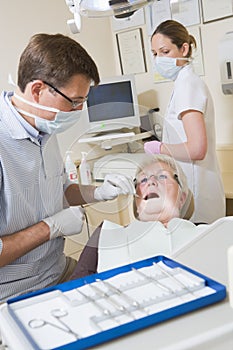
[(132, 326)]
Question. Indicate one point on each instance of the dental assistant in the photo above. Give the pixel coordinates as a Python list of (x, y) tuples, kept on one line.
[(189, 122), (39, 206)]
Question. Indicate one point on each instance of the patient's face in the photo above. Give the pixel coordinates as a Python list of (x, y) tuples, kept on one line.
[(159, 193)]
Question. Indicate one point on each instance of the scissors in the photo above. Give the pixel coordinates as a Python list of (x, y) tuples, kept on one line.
[(58, 314)]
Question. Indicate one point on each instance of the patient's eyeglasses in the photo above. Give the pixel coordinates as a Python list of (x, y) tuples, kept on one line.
[(75, 103), (161, 177)]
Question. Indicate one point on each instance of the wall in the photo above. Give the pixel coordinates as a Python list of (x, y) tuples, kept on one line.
[(21, 19), (212, 33)]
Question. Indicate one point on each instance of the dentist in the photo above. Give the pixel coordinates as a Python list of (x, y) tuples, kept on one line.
[(38, 204)]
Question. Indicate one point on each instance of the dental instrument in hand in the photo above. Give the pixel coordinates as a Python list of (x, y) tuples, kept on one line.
[(57, 314), (137, 196)]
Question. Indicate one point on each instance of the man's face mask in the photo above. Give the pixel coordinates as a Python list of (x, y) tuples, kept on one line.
[(61, 122)]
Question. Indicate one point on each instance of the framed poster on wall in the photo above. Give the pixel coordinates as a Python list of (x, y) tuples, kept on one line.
[(131, 51), (213, 10), (186, 12), (155, 13)]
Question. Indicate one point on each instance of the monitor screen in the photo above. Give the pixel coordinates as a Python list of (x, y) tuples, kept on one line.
[(113, 105)]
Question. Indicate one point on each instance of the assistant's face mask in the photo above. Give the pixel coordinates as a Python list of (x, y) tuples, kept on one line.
[(166, 66), (61, 122)]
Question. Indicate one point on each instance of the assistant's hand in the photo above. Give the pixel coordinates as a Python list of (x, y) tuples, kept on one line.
[(114, 184), (66, 222), (152, 147)]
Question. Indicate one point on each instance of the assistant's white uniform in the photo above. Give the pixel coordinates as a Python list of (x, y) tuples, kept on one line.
[(204, 177)]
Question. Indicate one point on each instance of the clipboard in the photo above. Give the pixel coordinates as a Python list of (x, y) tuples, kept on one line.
[(198, 293)]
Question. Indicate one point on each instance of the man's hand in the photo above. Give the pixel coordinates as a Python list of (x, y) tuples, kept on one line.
[(114, 184), (66, 222)]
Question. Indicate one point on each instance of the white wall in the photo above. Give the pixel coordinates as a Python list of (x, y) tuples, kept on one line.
[(212, 33), (21, 19)]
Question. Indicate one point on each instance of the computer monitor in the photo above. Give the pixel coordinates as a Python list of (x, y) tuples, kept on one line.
[(113, 105)]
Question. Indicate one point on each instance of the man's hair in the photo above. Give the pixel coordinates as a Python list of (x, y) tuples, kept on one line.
[(55, 58)]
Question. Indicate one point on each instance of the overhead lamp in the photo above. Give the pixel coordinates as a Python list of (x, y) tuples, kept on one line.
[(103, 8), (74, 23), (117, 8)]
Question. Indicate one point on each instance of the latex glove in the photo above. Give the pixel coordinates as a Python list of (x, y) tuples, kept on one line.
[(114, 184), (152, 147), (66, 222)]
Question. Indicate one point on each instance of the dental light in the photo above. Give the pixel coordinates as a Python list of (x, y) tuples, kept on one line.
[(102, 8), (75, 23)]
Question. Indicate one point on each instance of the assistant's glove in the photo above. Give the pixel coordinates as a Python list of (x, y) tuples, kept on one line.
[(66, 222), (152, 147), (114, 184)]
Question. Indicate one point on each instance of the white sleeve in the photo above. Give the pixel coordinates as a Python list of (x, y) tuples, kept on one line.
[(190, 94)]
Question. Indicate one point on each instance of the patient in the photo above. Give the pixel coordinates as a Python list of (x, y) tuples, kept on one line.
[(160, 203)]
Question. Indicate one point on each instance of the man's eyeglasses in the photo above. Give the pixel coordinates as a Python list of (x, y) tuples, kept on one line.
[(161, 177), (75, 103)]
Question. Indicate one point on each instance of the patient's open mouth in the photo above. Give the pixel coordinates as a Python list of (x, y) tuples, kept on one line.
[(150, 196)]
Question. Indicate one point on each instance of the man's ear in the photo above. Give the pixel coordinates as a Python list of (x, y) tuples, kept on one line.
[(36, 89)]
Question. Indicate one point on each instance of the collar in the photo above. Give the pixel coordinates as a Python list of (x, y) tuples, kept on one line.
[(184, 71), (16, 125)]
